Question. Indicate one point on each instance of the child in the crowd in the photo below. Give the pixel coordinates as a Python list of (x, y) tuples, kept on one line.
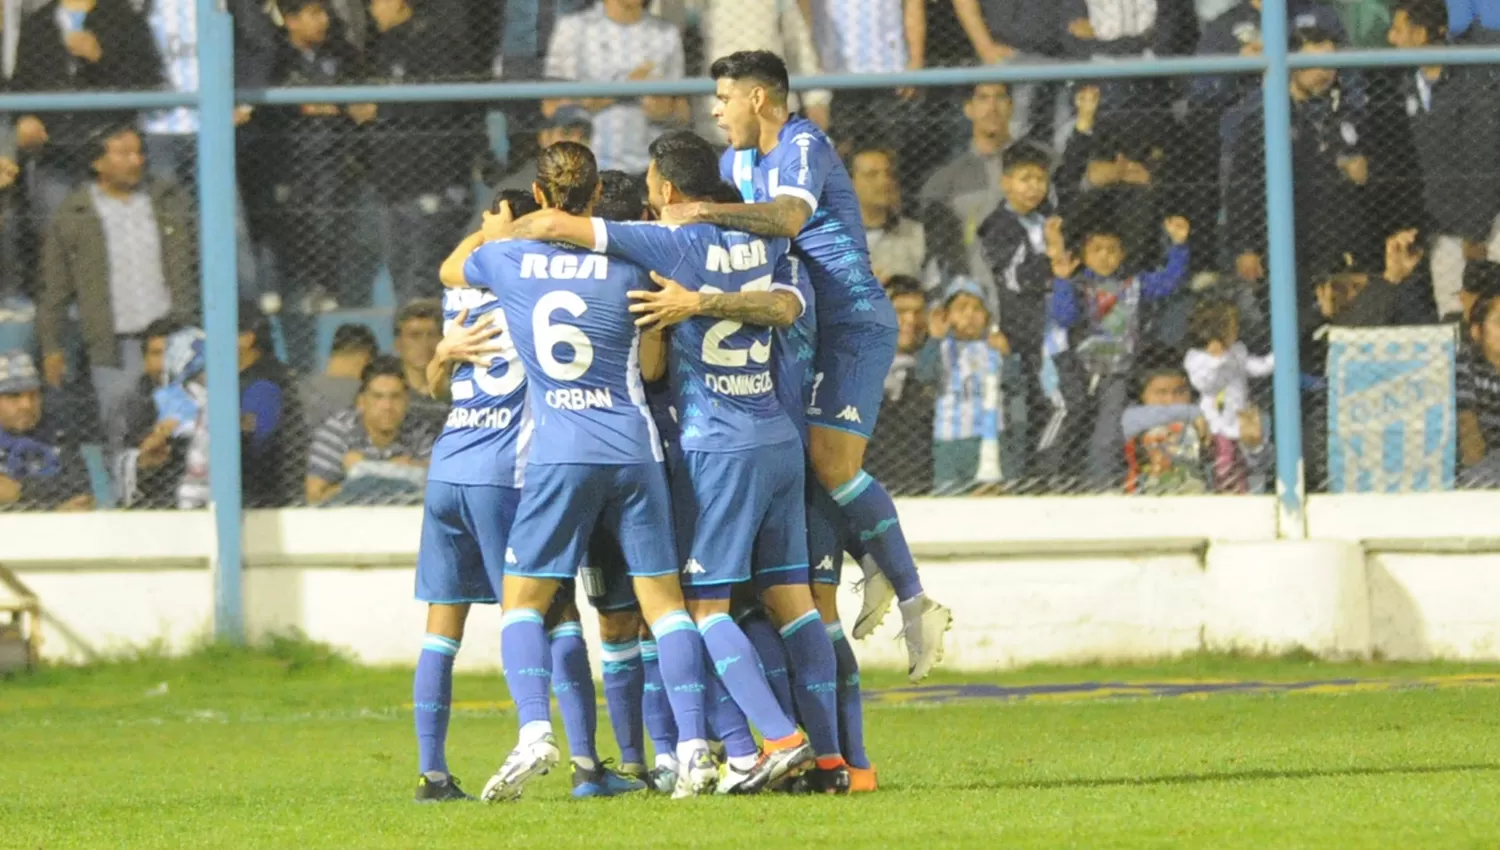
[(1477, 387), (1164, 437), (1220, 368), (1480, 276), (1100, 310), (963, 358)]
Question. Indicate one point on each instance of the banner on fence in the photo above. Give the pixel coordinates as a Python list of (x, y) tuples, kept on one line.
[(1391, 418)]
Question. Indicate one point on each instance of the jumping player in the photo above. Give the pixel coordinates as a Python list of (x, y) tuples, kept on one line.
[(797, 188)]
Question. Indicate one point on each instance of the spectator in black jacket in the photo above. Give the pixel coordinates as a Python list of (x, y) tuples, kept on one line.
[(420, 154), (273, 433), (149, 450), (1012, 246), (76, 45), (311, 148), (1020, 30), (1456, 131), (1329, 167)]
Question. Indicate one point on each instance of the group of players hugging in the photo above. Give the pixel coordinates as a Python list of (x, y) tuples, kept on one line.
[(670, 406)]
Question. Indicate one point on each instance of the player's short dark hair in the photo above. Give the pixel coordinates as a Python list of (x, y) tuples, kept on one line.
[(686, 161), (568, 176), (384, 366), (622, 196), (1022, 154), (725, 193), (1430, 15), (420, 308), (163, 327), (1304, 37), (903, 284), (295, 7), (521, 202), (758, 66), (353, 337)]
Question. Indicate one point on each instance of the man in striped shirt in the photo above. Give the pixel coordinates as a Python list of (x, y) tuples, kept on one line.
[(375, 441), (617, 41)]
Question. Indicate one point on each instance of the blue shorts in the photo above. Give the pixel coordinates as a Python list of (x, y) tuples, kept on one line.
[(849, 371), (741, 515), (562, 504), (464, 533), (604, 576)]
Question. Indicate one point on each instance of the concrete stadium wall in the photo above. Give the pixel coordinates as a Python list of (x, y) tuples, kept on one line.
[(1049, 579)]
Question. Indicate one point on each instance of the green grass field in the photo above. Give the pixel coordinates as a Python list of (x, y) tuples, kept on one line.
[(293, 748)]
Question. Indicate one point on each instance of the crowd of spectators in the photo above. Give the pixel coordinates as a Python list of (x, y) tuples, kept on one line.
[(1078, 269)]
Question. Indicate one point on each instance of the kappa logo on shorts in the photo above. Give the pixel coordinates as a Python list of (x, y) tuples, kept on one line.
[(826, 565), (510, 556), (692, 567), (849, 414)]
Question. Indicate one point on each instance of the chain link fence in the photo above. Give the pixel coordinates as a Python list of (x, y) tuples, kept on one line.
[(1079, 269)]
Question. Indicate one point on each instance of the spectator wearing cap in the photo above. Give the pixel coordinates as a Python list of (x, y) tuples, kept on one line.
[(77, 45), (39, 470), (419, 329), (354, 346), (420, 155), (615, 41), (272, 432), (899, 453), (374, 452), (898, 245), (1456, 131), (775, 25), (963, 359), (124, 252), (568, 122)]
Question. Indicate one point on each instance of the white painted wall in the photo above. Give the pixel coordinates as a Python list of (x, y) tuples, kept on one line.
[(1051, 579)]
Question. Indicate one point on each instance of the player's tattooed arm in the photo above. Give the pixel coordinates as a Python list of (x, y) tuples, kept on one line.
[(784, 215), (671, 303)]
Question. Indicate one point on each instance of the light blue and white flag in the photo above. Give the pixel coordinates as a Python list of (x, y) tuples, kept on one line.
[(1391, 414)]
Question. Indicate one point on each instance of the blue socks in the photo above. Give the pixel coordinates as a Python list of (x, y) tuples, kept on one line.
[(525, 657), (814, 681), (772, 652), (432, 699), (851, 704), (871, 516), (735, 662), (726, 722), (573, 684), (826, 531), (655, 709), (624, 678), (681, 658)]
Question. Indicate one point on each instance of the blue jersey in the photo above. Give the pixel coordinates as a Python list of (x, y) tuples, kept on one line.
[(722, 384), (805, 165), (578, 342), (488, 432), (792, 350)]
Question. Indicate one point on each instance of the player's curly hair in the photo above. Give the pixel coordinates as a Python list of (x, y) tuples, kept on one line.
[(568, 176)]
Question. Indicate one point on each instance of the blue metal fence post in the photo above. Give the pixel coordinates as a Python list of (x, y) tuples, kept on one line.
[(220, 306), (1291, 490)]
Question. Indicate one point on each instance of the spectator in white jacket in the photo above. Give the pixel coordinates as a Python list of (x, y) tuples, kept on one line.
[(1220, 368)]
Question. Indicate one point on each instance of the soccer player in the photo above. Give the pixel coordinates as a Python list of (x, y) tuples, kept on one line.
[(596, 459), (739, 489), (799, 189), (472, 492)]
